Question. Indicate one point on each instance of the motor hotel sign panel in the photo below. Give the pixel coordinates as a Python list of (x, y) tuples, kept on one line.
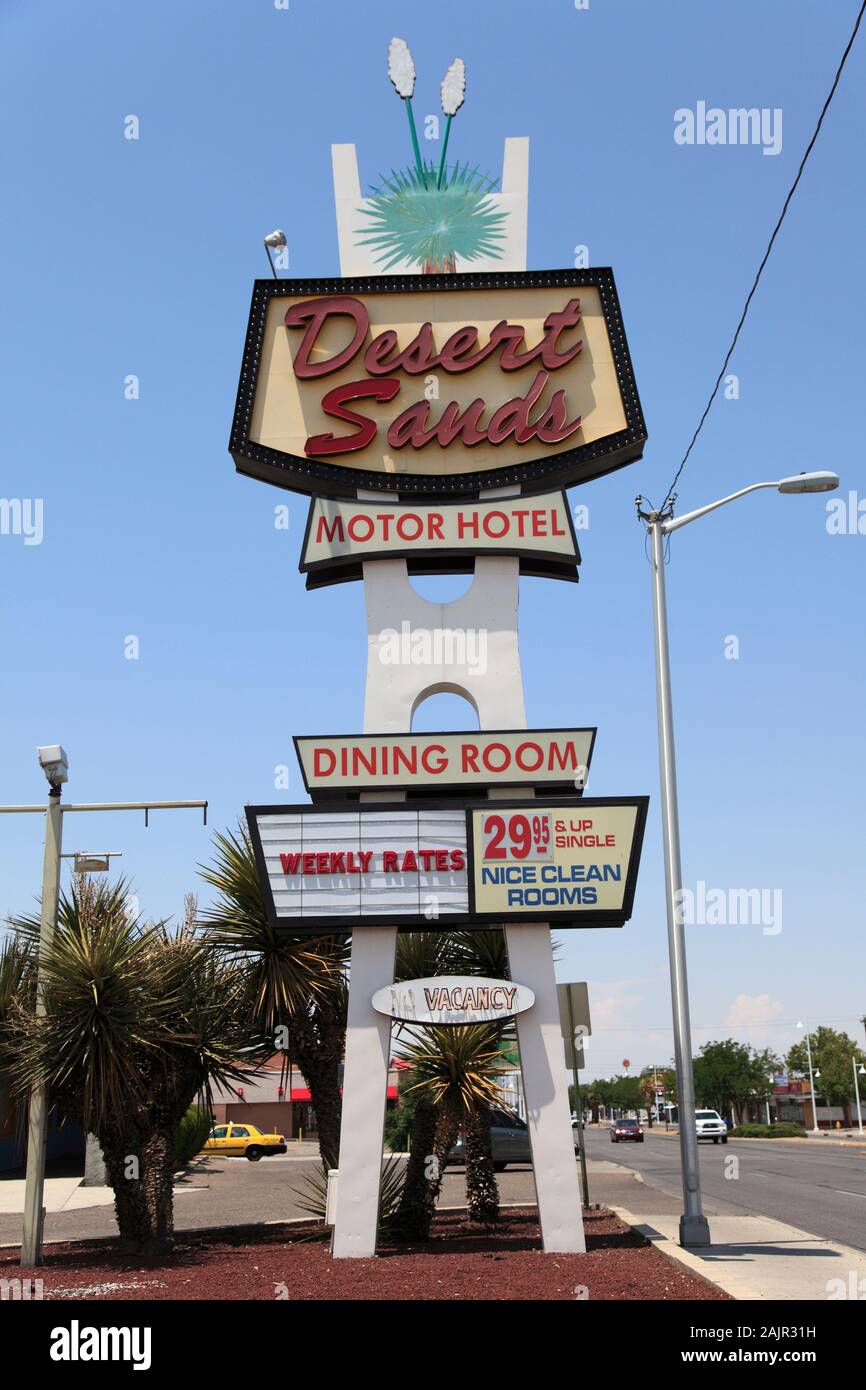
[(430, 385), (573, 862)]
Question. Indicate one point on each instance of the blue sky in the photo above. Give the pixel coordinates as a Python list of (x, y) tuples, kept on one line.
[(123, 257)]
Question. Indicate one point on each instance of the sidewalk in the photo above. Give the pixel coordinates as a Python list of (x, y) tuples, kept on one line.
[(61, 1194), (752, 1257)]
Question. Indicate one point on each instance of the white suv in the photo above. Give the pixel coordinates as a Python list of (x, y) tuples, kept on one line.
[(710, 1125)]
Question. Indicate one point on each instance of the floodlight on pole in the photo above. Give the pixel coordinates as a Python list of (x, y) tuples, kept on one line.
[(84, 863), (274, 241)]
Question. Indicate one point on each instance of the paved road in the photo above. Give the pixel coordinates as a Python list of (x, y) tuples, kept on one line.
[(817, 1185), (822, 1189)]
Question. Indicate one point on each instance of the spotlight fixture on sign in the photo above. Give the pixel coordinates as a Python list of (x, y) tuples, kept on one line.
[(274, 241)]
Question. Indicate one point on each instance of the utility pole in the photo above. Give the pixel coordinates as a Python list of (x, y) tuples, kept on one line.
[(37, 1120), (694, 1227), (54, 764)]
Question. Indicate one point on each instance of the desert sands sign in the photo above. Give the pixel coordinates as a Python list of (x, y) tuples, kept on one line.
[(436, 384)]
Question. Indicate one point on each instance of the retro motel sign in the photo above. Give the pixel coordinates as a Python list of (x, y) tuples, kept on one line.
[(434, 420)]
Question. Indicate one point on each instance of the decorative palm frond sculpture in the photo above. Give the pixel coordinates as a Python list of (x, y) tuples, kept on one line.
[(424, 215)]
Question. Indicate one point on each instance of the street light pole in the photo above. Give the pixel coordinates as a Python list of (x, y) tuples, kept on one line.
[(54, 764), (857, 1094), (694, 1229), (37, 1123), (805, 1027)]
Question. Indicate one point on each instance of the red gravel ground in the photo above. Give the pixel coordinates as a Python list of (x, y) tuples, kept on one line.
[(459, 1262)]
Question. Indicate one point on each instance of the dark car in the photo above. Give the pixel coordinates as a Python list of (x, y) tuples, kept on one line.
[(509, 1141), (626, 1129)]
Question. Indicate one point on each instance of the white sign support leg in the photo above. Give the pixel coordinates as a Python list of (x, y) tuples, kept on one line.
[(365, 1082), (545, 1085)]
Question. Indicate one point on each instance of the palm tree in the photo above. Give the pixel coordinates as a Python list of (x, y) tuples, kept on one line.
[(435, 1125), (455, 1069), (139, 1021), (419, 955), (294, 987)]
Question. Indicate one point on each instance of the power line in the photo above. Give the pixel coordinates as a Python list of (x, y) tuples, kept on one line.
[(766, 256)]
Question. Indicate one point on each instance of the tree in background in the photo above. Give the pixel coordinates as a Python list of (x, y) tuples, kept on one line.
[(832, 1054), (626, 1092), (728, 1074), (647, 1082)]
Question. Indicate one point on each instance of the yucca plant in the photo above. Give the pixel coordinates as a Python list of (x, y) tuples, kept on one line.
[(293, 983), (456, 1068), (412, 219), (424, 215), (139, 1021), (311, 1194)]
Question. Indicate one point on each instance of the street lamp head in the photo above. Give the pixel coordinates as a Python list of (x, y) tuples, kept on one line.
[(275, 241), (52, 760), (91, 864), (810, 482)]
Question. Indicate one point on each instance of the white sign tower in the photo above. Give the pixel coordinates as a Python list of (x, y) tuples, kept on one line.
[(393, 693)]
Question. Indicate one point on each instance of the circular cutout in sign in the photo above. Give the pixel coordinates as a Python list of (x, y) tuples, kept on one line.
[(453, 999)]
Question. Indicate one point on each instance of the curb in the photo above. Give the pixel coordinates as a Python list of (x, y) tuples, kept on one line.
[(680, 1256)]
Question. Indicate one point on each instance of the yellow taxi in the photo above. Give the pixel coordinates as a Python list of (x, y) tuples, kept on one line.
[(243, 1141)]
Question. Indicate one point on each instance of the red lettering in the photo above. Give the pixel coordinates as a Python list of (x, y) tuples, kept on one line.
[(457, 860), (489, 529), (455, 349), (324, 762), (290, 863), (333, 404), (520, 756), (314, 313), (430, 762), (469, 757), (410, 519), (323, 532), (410, 863), (357, 521), (389, 861)]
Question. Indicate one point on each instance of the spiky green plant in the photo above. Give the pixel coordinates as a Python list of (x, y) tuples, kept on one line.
[(412, 219), (455, 1069), (311, 1193), (293, 982), (139, 1020)]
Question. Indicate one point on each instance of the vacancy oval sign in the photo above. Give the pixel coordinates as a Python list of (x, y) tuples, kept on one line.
[(445, 999)]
